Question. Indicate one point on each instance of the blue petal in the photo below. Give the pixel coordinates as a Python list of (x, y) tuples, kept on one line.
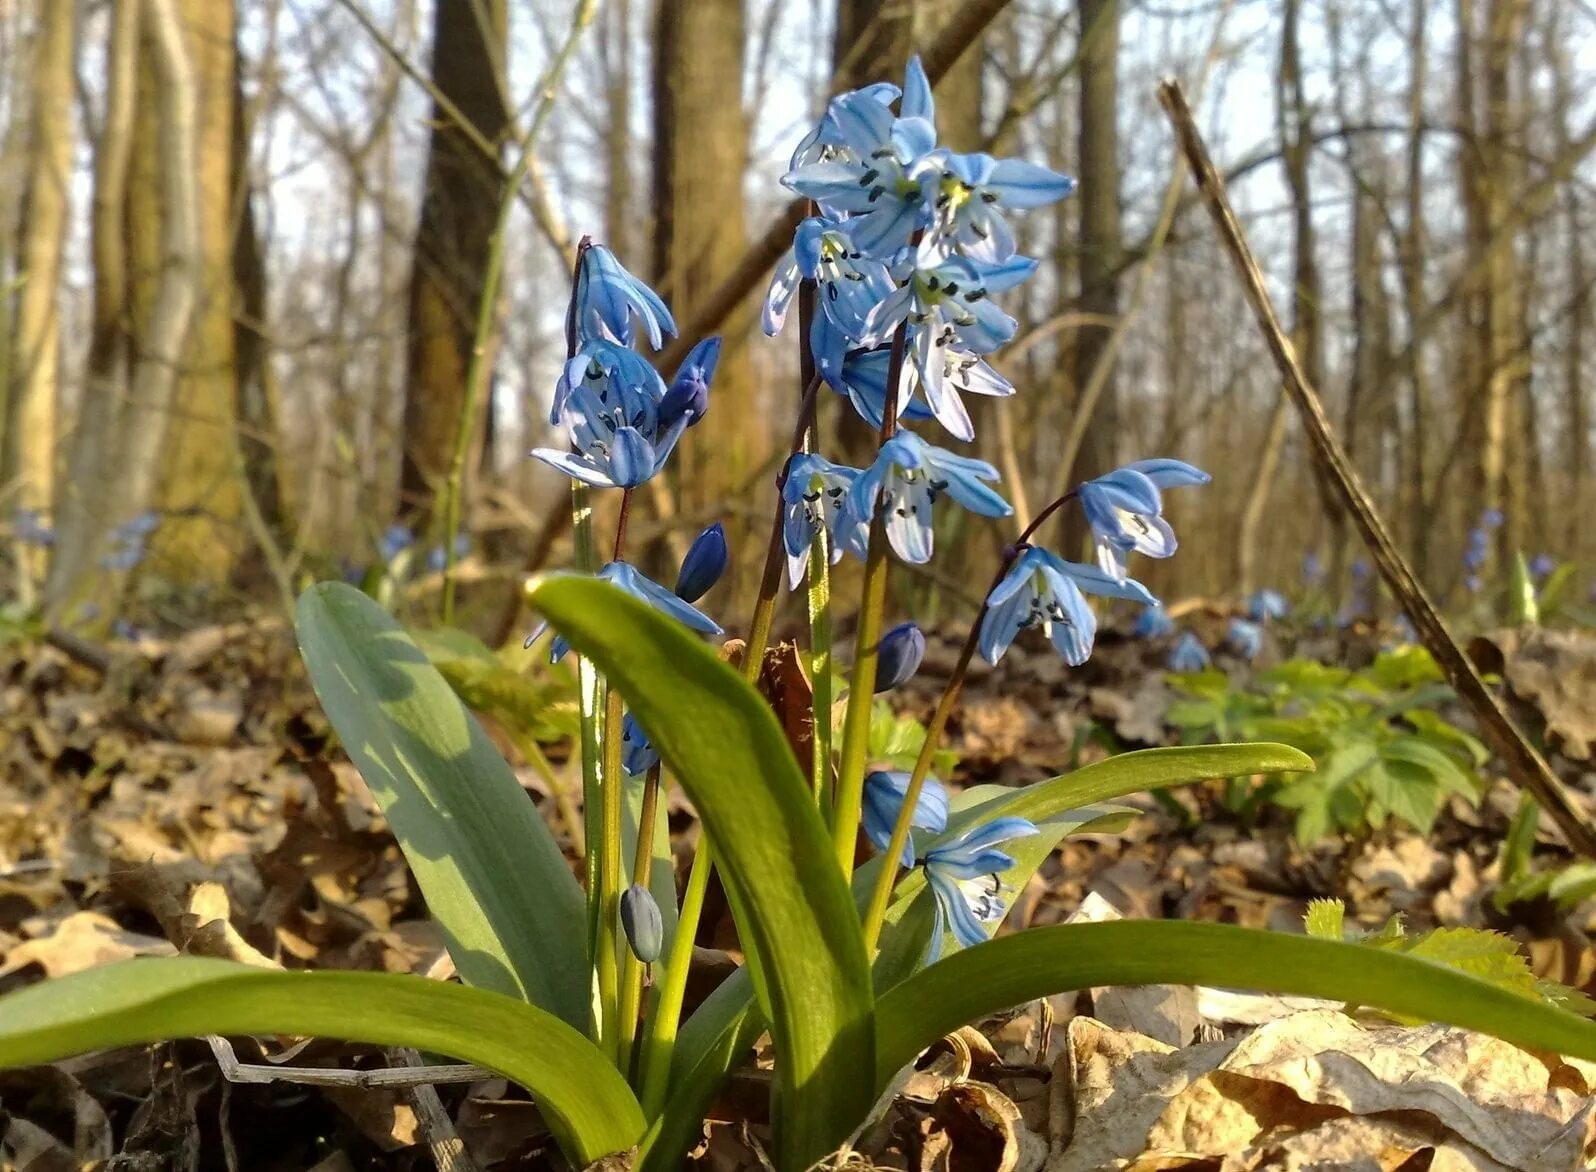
[(629, 579), (574, 466), (864, 123), (1168, 473), (917, 101), (1002, 621), (1019, 184), (631, 458), (704, 564), (1095, 581), (966, 929), (778, 298)]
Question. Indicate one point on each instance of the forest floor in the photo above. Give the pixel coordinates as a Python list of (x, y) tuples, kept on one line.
[(182, 795)]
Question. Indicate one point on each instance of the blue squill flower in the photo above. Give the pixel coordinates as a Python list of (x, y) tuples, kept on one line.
[(1043, 590), (31, 529), (688, 394), (394, 541), (899, 654), (1267, 604), (127, 542), (1125, 510), (1476, 550), (1312, 569), (1189, 654), (621, 378), (883, 800), (1541, 566), (967, 195), (1245, 638), (608, 297), (812, 497), (905, 480), (861, 376), (965, 879), (704, 564), (847, 282), (617, 445), (638, 755), (437, 562), (628, 578), (1492, 518), (1153, 623)]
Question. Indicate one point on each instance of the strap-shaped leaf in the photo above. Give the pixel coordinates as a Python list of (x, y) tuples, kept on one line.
[(1042, 961), (494, 878), (795, 914), (584, 1099)]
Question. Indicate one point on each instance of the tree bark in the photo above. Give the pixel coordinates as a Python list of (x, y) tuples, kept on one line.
[(458, 209)]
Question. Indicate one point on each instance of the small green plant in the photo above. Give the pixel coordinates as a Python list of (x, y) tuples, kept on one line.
[(1381, 749), (852, 970)]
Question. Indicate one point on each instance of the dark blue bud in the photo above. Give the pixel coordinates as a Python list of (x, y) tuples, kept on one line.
[(638, 756), (688, 394), (704, 564), (642, 923), (898, 656)]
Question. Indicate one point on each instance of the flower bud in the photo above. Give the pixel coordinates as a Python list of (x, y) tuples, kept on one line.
[(638, 756), (704, 564), (898, 656), (688, 394), (641, 921)]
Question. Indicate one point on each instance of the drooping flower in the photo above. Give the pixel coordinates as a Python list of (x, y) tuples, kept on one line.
[(628, 578), (642, 923), (1245, 638), (1153, 623), (688, 395), (904, 481), (1125, 510), (812, 497), (1267, 604), (898, 656), (608, 297), (884, 791), (704, 564), (964, 875), (1189, 654), (1042, 589), (621, 378), (967, 195)]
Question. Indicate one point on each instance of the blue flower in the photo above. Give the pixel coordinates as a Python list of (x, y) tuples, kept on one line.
[(1312, 569), (884, 792), (622, 378), (608, 297), (1189, 654), (1267, 604), (1476, 550), (1541, 565), (1491, 518), (1125, 510), (1153, 623), (704, 564), (638, 755), (437, 562), (31, 529), (964, 878), (899, 654), (966, 195), (905, 480), (847, 283), (1245, 637), (394, 541), (627, 577), (812, 495), (619, 442), (1042, 589), (688, 395), (128, 543), (861, 376)]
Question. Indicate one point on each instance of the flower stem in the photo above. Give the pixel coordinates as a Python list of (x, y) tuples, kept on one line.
[(642, 864), (665, 1008), (866, 646), (881, 894), (612, 792), (820, 667)]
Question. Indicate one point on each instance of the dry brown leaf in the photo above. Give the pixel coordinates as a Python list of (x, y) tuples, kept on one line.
[(81, 941)]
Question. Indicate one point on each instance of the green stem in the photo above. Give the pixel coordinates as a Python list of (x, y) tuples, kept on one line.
[(487, 307), (820, 666), (612, 793), (642, 864), (665, 1010), (866, 646)]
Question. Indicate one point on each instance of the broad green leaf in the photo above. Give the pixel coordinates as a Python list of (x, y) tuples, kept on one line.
[(1043, 961), (794, 913), (584, 1099), (492, 874)]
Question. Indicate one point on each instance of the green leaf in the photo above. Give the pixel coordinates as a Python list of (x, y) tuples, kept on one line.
[(1043, 961), (1522, 608), (1326, 919), (493, 875), (794, 913), (580, 1093)]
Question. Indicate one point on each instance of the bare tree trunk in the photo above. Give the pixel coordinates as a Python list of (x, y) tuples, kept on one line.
[(701, 150), (85, 501), (458, 211), (1415, 479), (34, 402), (1575, 395), (615, 48)]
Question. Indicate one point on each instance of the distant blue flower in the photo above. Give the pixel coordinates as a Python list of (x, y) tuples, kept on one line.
[(127, 543), (1312, 569), (900, 652), (394, 541), (1404, 628), (1153, 623), (608, 297), (31, 529), (122, 629), (688, 394), (1245, 638), (1491, 518), (966, 195), (884, 792), (638, 755), (1541, 566), (1360, 570), (1189, 654), (642, 923), (1267, 604), (812, 496), (964, 878), (628, 578), (1125, 510), (1043, 590), (905, 480), (1477, 550), (704, 564), (437, 562), (1473, 583)]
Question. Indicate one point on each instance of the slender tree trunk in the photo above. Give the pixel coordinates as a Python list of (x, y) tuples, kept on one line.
[(458, 209), (615, 47), (1576, 397), (37, 371), (1416, 479)]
